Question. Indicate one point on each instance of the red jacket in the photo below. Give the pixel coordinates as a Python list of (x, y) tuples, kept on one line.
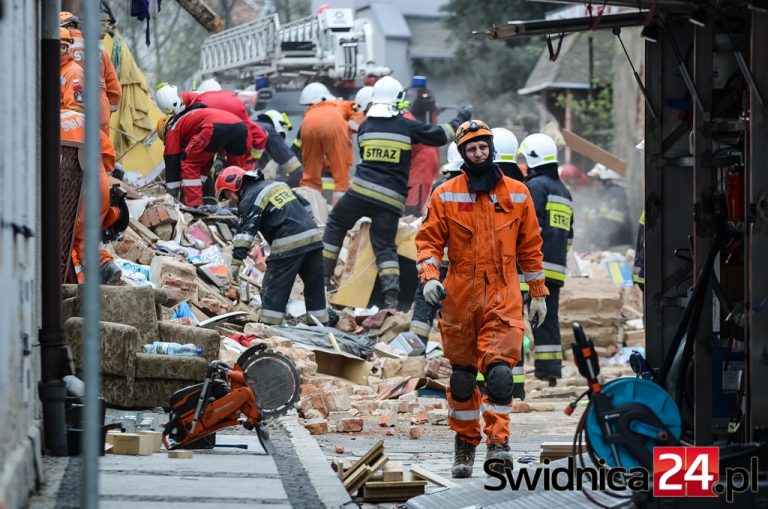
[(183, 129), (425, 165), (228, 101)]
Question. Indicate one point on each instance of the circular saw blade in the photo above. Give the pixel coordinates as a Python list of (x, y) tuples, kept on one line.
[(275, 382)]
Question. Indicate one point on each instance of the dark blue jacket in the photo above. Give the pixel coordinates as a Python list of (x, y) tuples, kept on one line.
[(554, 210)]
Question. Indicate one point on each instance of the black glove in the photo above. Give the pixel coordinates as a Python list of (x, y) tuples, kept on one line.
[(464, 114)]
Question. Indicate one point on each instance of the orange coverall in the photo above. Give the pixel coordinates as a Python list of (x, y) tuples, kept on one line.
[(325, 141), (73, 135), (482, 318), (425, 166), (72, 80), (109, 83)]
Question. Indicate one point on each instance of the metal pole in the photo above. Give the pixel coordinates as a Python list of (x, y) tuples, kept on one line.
[(91, 194), (53, 351)]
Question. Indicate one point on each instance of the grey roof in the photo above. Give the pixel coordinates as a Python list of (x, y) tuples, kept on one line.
[(430, 39), (425, 8), (391, 21), (571, 69)]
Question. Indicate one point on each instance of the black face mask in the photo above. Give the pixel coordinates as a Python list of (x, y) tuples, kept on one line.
[(482, 176)]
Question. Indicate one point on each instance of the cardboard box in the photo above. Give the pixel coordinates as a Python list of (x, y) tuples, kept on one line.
[(341, 364)]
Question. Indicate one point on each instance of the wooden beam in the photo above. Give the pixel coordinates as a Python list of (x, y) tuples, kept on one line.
[(593, 152), (423, 473), (203, 14)]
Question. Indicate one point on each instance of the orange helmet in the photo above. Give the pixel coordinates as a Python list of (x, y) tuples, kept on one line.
[(230, 178), (66, 37), (471, 129), (67, 18), (162, 126)]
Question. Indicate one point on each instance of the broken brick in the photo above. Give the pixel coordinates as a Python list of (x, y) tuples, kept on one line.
[(420, 417), (317, 426), (414, 432), (438, 416), (339, 449), (352, 425), (521, 407), (155, 216), (334, 417), (389, 419), (336, 401)]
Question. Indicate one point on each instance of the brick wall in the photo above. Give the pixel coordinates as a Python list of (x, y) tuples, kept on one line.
[(19, 261)]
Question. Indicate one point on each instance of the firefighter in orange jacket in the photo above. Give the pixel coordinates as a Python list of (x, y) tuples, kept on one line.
[(109, 83), (72, 77), (488, 222), (325, 139), (72, 125)]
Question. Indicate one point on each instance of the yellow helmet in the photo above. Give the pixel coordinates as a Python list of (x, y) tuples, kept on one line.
[(471, 129), (162, 126)]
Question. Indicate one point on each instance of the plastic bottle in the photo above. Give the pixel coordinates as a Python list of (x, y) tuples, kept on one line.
[(165, 348)]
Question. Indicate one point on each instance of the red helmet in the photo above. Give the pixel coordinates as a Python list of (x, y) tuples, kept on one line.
[(230, 178), (572, 174)]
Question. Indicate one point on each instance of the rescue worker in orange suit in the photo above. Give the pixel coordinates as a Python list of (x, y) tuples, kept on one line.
[(72, 77), (109, 83), (283, 219), (173, 103), (73, 135), (488, 222), (191, 140), (554, 209), (325, 139), (380, 187)]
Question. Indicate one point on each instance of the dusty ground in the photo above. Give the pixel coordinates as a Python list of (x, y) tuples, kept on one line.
[(434, 450)]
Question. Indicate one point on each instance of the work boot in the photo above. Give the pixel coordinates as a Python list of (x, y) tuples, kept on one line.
[(391, 299), (463, 458), (500, 451), (110, 273)]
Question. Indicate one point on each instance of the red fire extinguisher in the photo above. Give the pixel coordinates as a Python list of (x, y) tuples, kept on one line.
[(734, 195)]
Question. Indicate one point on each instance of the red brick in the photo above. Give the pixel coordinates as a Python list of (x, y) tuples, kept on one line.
[(414, 432), (317, 426), (402, 407), (307, 389), (420, 417), (339, 449), (352, 425)]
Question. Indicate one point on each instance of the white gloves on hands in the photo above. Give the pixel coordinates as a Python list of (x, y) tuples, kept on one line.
[(537, 310), (434, 292)]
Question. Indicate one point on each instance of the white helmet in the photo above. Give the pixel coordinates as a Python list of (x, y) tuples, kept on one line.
[(363, 98), (538, 149), (209, 85), (387, 94), (454, 159), (603, 173), (315, 93), (168, 100), (505, 143), (280, 121)]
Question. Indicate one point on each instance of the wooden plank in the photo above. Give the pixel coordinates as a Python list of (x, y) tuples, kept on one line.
[(555, 450), (202, 14), (367, 458), (397, 491), (593, 152), (147, 234), (357, 479), (423, 473), (393, 471)]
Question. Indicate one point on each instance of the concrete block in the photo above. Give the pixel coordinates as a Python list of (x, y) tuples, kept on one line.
[(438, 416), (177, 277), (157, 439), (336, 401), (334, 417), (414, 432)]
